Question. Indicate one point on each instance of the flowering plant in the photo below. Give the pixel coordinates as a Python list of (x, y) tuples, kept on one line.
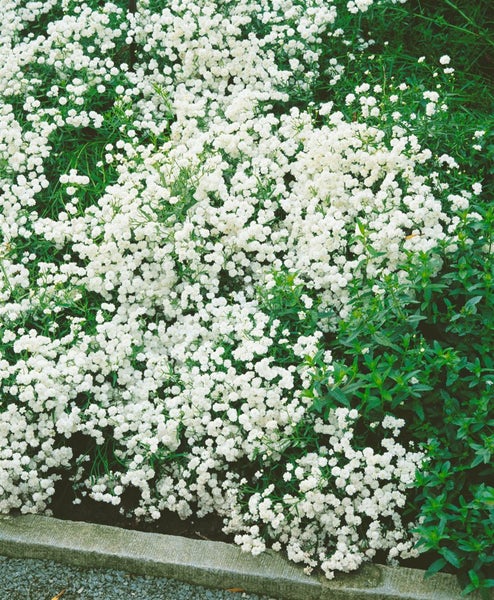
[(195, 198)]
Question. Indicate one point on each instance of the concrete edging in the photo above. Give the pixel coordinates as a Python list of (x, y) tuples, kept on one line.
[(210, 564)]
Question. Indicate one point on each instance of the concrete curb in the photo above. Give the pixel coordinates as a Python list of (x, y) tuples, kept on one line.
[(210, 564)]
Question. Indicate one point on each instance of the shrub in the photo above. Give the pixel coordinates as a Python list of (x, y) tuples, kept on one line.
[(419, 348)]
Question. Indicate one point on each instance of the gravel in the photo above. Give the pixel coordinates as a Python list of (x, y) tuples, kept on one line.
[(30, 579)]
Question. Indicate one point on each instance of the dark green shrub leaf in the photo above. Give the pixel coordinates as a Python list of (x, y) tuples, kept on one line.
[(451, 557), (436, 566)]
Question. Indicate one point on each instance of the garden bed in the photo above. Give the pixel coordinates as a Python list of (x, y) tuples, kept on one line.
[(246, 274)]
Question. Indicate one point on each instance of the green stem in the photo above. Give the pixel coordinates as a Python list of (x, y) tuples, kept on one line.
[(482, 34), (132, 47), (5, 276)]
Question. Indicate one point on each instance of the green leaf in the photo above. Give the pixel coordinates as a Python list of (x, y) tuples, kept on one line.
[(436, 566), (474, 578), (318, 404), (422, 387), (419, 411), (469, 305), (468, 590), (339, 396), (467, 545), (384, 340), (481, 458), (415, 318), (451, 557)]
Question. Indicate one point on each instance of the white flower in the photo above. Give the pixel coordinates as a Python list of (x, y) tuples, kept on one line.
[(477, 188)]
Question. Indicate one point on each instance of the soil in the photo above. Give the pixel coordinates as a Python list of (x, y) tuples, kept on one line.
[(91, 511)]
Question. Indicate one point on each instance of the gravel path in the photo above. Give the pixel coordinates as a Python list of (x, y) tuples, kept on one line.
[(29, 579)]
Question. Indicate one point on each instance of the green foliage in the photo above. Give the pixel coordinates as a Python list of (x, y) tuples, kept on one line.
[(421, 349), (419, 345), (402, 44)]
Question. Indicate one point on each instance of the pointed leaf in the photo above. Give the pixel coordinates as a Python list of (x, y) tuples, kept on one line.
[(451, 557), (436, 566), (474, 578)]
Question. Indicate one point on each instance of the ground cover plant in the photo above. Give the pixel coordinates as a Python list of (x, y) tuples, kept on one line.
[(246, 270)]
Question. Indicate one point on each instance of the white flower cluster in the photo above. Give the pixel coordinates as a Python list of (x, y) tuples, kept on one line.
[(348, 496), (356, 6), (131, 309)]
